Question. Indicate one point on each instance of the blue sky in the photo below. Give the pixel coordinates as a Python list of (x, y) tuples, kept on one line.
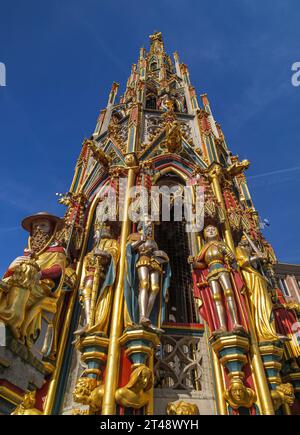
[(62, 56)]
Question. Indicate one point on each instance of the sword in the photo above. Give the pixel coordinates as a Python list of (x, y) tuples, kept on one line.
[(253, 246), (258, 252)]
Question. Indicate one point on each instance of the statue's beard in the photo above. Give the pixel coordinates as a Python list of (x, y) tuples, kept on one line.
[(39, 239)]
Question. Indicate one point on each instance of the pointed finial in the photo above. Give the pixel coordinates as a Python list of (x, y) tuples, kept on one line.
[(156, 36)]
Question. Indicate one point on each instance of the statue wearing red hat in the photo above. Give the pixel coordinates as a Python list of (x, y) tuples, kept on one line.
[(32, 284)]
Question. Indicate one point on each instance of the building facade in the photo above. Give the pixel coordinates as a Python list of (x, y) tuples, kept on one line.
[(157, 292)]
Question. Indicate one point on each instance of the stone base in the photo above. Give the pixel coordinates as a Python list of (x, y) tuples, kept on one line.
[(162, 396), (18, 368)]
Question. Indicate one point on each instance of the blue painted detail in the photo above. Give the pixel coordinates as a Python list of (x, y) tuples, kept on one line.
[(94, 349), (234, 366), (269, 358), (97, 186), (187, 332), (138, 358), (111, 145), (158, 140), (231, 351), (78, 178), (66, 364), (138, 342), (272, 372), (209, 150), (131, 141), (193, 155)]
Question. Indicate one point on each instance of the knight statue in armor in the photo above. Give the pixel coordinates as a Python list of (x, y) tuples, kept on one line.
[(147, 278), (217, 258)]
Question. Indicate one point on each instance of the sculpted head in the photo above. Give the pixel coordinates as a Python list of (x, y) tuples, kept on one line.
[(29, 400), (141, 379), (102, 231), (83, 390), (41, 232), (42, 224), (238, 395), (287, 391), (211, 233), (238, 391)]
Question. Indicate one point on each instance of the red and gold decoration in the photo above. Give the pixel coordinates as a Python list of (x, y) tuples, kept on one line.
[(109, 314)]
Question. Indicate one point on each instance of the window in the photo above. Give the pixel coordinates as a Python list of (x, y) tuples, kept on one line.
[(151, 102), (153, 66)]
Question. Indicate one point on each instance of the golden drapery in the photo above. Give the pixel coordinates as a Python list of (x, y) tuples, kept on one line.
[(260, 301), (44, 295), (104, 301)]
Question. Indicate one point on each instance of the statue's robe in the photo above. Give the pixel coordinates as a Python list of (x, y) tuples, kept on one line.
[(287, 323), (260, 301), (44, 294), (105, 291)]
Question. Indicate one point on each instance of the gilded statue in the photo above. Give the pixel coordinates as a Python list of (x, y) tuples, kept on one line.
[(136, 393), (216, 257), (33, 282), (238, 395), (182, 408), (257, 284), (27, 406), (89, 391), (147, 276), (283, 394), (99, 272)]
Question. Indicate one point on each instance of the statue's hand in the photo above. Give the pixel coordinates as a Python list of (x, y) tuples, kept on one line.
[(37, 277), (230, 259), (17, 262), (262, 256)]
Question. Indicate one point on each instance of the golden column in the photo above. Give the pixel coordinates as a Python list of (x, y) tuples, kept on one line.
[(215, 173), (113, 356), (114, 349), (53, 384)]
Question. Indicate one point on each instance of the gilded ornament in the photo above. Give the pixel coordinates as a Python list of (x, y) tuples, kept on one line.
[(89, 391), (27, 406), (238, 395), (182, 408), (283, 394), (136, 393)]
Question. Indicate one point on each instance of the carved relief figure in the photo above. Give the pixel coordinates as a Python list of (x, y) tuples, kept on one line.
[(136, 393)]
